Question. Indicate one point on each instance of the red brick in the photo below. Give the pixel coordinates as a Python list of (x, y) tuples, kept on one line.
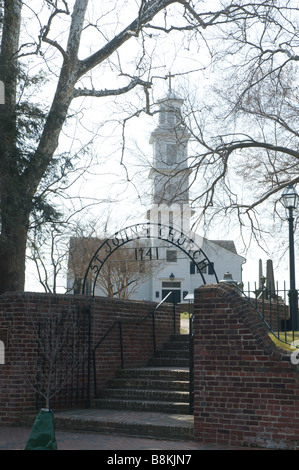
[(20, 311), (253, 389)]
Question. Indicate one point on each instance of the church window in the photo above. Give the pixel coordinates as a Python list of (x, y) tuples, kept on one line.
[(171, 284), (171, 153), (194, 268), (171, 256)]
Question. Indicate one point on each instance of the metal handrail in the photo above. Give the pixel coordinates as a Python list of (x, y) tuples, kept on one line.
[(153, 314), (119, 323), (242, 293)]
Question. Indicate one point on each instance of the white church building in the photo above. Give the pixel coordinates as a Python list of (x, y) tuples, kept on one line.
[(184, 260)]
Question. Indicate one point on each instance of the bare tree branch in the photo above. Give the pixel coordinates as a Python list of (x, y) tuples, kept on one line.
[(119, 91)]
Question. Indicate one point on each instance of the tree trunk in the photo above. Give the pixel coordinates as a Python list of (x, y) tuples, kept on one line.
[(12, 257), (14, 220), (20, 175), (14, 210)]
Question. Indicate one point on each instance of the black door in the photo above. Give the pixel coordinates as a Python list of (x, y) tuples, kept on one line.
[(177, 295)]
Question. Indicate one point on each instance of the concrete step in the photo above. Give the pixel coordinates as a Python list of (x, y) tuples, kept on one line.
[(150, 401), (149, 383), (162, 386), (175, 353), (123, 422), (167, 373), (145, 394), (169, 361), (141, 405)]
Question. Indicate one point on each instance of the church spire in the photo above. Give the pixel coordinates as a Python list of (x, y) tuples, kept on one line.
[(170, 140)]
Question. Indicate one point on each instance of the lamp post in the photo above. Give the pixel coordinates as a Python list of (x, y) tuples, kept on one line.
[(290, 200)]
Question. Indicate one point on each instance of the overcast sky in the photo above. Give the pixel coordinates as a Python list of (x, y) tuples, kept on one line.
[(122, 177)]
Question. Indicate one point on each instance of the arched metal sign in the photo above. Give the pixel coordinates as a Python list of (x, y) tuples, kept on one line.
[(141, 231)]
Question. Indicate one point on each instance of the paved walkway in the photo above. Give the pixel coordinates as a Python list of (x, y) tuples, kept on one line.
[(15, 438), (184, 325)]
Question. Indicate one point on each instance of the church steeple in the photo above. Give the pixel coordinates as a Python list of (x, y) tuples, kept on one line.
[(170, 140)]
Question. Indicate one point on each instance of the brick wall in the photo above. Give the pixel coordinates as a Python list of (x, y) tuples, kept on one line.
[(246, 389), (21, 312)]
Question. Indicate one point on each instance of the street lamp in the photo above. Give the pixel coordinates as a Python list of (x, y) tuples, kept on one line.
[(290, 200)]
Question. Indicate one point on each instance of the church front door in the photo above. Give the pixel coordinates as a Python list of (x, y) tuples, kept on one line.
[(176, 292)]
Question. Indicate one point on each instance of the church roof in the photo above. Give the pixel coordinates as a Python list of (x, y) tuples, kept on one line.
[(171, 96), (226, 244)]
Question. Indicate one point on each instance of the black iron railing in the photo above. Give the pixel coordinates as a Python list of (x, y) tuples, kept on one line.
[(114, 325), (272, 305), (118, 323)]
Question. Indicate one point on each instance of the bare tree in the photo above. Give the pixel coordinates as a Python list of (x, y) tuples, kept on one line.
[(122, 273), (48, 248), (61, 53), (27, 159), (244, 123), (126, 270), (61, 349)]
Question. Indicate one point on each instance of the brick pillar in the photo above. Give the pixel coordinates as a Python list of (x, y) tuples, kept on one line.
[(246, 388)]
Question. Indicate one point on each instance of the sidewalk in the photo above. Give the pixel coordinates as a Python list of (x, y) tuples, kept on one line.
[(15, 438)]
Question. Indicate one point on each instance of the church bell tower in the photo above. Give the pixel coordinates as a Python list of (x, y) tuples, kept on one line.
[(170, 172)]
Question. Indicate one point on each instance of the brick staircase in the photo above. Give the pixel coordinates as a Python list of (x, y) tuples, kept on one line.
[(151, 401), (162, 386)]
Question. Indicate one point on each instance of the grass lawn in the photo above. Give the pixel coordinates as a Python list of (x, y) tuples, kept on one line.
[(288, 338), (185, 316)]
